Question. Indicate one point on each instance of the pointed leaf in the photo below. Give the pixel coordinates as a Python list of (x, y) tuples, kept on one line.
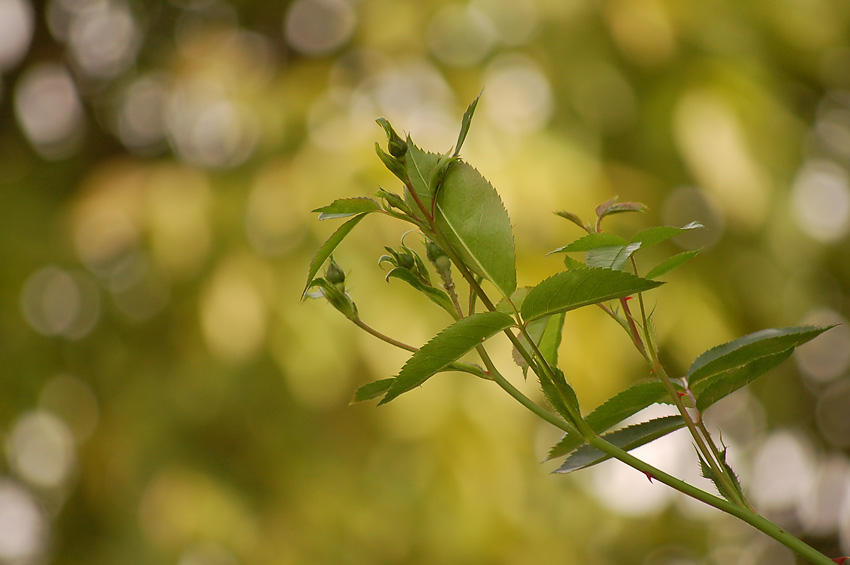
[(546, 333), (573, 218), (558, 402), (517, 297), (572, 264), (464, 126), (393, 200), (395, 166), (345, 207), (419, 167), (743, 350), (616, 409), (435, 295), (446, 347), (708, 473), (613, 257), (441, 170), (395, 144), (550, 341), (671, 263), (627, 439), (711, 389), (591, 241), (573, 289), (372, 390), (473, 219), (614, 207), (328, 247), (655, 235)]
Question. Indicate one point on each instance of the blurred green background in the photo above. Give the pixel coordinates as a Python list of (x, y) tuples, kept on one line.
[(164, 396)]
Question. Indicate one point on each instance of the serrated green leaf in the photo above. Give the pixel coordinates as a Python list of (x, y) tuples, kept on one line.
[(611, 257), (744, 350), (671, 263), (711, 389), (623, 405), (471, 216), (435, 295), (419, 167), (372, 390), (571, 263), (464, 126), (708, 473), (558, 402), (573, 289), (655, 235), (591, 241), (627, 439), (328, 247), (517, 297), (445, 348), (345, 207)]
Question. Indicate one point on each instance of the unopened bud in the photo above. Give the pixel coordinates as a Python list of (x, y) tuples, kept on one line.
[(433, 251), (397, 147), (395, 144), (335, 275), (406, 261), (437, 256)]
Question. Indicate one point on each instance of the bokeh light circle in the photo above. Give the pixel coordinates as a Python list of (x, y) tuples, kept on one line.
[(48, 110), (832, 415), (827, 357), (782, 472), (23, 527), (460, 36), (56, 302), (104, 38), (820, 200), (519, 97), (16, 28), (319, 27), (41, 450)]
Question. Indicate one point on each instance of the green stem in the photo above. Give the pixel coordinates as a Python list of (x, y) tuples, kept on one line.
[(711, 456), (383, 337), (546, 372), (521, 398), (743, 513)]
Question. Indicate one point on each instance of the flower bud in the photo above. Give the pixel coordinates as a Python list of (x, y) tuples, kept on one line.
[(437, 256), (335, 275), (397, 147), (406, 261), (432, 251)]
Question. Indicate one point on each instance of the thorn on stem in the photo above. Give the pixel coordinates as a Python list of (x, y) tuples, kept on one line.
[(841, 560), (648, 476)]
